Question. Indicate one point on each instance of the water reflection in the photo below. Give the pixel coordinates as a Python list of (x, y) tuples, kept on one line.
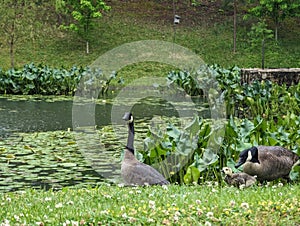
[(41, 115)]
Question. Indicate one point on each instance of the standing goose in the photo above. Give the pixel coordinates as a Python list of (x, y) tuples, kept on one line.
[(268, 162), (238, 179), (134, 172)]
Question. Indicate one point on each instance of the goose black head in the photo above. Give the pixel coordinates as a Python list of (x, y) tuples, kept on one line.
[(128, 117), (248, 155)]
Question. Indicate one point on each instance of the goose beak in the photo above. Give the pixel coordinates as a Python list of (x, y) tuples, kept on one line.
[(126, 116), (239, 164)]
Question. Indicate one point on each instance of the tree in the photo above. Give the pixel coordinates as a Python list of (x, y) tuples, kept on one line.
[(277, 10), (234, 4), (16, 21), (84, 14), (260, 34)]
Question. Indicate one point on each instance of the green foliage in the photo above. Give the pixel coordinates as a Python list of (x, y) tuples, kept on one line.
[(41, 79), (259, 33), (277, 10), (206, 163), (186, 81), (243, 100), (268, 114), (84, 13)]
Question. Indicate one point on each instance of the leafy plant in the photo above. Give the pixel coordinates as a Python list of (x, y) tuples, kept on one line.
[(277, 10), (84, 14), (41, 79)]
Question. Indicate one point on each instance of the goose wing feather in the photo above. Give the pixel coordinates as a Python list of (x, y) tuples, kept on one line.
[(280, 152), (275, 162), (139, 173)]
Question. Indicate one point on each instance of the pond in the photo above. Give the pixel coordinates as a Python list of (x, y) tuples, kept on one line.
[(40, 148)]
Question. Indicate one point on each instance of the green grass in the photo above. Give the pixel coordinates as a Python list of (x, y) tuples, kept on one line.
[(206, 204)]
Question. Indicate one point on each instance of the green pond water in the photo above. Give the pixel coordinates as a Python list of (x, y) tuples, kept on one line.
[(43, 145)]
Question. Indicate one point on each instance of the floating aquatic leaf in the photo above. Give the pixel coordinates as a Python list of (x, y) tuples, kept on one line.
[(10, 156), (68, 164)]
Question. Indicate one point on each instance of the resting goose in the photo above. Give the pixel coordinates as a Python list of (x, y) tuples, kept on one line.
[(134, 172), (239, 180), (268, 162)]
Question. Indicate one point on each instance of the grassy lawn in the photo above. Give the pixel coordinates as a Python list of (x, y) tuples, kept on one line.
[(207, 204)]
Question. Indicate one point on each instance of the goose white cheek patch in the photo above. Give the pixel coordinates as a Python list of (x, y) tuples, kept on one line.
[(249, 158)]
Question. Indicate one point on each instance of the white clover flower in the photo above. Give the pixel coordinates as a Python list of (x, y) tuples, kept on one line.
[(177, 213), (121, 185), (17, 218), (70, 203), (74, 223), (131, 219), (165, 187), (280, 184), (104, 212), (67, 223), (207, 223), (210, 214), (152, 204), (48, 199), (150, 220), (244, 205), (198, 202), (176, 218), (58, 205), (232, 203), (214, 190), (107, 196)]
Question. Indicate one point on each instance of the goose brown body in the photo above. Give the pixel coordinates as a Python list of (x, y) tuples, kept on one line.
[(133, 171), (238, 179), (268, 162)]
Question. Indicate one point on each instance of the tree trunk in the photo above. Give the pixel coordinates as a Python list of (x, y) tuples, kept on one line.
[(87, 47), (234, 24), (263, 54), (12, 46), (11, 53), (276, 32)]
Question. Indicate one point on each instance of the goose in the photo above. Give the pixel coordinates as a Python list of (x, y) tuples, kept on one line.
[(134, 172), (268, 162), (239, 180)]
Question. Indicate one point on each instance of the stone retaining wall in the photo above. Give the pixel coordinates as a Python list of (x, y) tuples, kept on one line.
[(289, 76)]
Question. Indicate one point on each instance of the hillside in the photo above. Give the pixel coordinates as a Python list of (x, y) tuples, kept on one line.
[(206, 30)]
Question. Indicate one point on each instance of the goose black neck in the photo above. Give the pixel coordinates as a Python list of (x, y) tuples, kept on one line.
[(130, 138)]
